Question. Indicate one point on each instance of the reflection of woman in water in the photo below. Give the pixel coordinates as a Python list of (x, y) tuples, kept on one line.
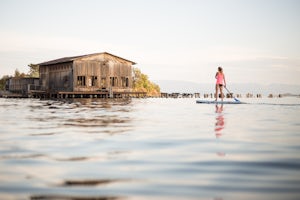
[(219, 125), (220, 121)]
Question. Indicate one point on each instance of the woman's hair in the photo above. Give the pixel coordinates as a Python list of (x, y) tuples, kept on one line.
[(220, 69)]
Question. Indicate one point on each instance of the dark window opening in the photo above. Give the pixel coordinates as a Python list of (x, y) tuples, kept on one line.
[(94, 80), (81, 80), (127, 82), (113, 81), (124, 82)]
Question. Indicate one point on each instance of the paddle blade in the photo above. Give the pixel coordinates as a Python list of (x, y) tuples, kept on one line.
[(236, 99)]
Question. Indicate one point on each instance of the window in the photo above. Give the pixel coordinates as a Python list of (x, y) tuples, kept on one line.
[(81, 80), (127, 82), (124, 82), (113, 81), (94, 80)]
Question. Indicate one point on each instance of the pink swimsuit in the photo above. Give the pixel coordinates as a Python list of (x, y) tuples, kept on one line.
[(220, 79)]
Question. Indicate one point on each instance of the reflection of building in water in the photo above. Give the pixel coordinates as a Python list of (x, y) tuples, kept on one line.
[(219, 125)]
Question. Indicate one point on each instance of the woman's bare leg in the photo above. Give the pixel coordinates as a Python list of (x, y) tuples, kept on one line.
[(221, 92), (217, 88)]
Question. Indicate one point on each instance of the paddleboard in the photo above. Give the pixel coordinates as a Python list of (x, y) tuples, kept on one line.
[(218, 102)]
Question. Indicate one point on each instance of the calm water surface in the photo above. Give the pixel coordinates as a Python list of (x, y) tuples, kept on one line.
[(149, 149)]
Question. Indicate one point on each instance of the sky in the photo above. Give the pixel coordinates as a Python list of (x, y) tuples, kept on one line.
[(254, 41)]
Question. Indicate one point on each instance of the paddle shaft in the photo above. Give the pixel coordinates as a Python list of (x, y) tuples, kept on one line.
[(232, 93), (227, 90)]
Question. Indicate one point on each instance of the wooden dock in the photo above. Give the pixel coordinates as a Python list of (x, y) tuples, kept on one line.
[(86, 94), (114, 94)]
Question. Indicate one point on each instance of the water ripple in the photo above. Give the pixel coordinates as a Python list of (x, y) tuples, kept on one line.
[(66, 197), (171, 149)]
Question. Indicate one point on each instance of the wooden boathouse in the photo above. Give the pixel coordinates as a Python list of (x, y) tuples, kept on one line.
[(22, 85), (91, 75)]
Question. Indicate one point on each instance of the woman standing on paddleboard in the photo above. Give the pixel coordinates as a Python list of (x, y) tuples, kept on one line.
[(220, 82)]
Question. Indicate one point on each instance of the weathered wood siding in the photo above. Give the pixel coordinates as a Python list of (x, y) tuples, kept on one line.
[(94, 72), (21, 85), (44, 77), (86, 69), (101, 73), (57, 77)]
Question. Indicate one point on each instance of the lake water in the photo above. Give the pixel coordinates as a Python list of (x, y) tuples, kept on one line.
[(149, 149)]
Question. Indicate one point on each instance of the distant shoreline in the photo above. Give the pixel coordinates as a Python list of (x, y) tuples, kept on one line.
[(7, 94), (171, 86)]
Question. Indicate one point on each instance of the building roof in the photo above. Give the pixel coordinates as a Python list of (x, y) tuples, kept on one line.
[(71, 59)]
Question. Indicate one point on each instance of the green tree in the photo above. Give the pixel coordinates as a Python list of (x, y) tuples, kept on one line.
[(143, 84), (19, 74), (33, 70), (3, 81)]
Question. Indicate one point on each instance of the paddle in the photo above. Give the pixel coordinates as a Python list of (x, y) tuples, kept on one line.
[(230, 93)]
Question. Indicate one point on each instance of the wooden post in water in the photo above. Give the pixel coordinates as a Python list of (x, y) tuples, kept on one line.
[(111, 95)]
